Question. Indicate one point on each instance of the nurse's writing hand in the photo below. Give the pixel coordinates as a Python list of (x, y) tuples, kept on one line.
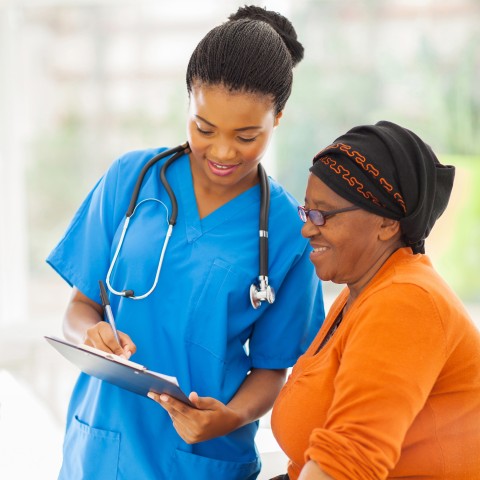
[(210, 418), (101, 336)]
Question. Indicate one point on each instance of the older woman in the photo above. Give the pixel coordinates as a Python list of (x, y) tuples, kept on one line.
[(390, 387)]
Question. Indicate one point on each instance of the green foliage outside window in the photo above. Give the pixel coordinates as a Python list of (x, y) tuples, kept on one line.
[(459, 260)]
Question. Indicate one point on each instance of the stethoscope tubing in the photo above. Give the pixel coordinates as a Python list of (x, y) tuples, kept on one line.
[(130, 293), (257, 295), (178, 151), (263, 229)]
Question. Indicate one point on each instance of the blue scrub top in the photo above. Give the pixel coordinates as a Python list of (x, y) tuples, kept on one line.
[(198, 324)]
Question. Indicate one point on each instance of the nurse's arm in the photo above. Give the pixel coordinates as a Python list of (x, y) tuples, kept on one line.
[(211, 418), (82, 323), (257, 393)]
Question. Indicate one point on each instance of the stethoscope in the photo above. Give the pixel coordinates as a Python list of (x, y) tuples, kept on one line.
[(260, 292)]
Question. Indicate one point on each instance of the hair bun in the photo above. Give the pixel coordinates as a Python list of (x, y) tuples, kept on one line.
[(278, 22)]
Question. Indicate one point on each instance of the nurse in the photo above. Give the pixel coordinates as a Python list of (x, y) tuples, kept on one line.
[(197, 324)]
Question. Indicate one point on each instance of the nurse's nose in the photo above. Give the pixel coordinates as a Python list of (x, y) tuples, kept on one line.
[(222, 151)]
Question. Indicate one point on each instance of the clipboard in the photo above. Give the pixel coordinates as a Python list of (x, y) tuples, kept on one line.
[(117, 370)]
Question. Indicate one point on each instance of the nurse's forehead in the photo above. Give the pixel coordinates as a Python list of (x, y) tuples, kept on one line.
[(203, 91), (239, 129), (204, 100)]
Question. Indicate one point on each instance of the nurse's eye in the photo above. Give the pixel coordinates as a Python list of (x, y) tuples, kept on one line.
[(247, 140), (204, 132)]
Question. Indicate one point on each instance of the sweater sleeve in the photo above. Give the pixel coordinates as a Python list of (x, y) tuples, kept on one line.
[(389, 363)]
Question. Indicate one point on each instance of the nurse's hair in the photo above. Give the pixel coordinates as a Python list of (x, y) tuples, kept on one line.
[(254, 51)]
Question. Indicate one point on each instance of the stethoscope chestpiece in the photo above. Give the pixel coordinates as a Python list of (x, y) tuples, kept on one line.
[(262, 293)]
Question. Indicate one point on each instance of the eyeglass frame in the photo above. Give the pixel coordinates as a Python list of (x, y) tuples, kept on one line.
[(304, 214)]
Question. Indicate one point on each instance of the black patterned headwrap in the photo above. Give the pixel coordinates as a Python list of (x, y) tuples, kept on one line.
[(388, 170)]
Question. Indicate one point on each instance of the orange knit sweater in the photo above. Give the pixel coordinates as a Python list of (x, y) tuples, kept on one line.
[(395, 393)]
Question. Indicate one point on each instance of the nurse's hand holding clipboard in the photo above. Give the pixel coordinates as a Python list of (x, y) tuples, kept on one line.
[(212, 418), (209, 419)]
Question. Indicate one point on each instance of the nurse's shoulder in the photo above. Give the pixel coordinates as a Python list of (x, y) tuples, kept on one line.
[(123, 173), (131, 163)]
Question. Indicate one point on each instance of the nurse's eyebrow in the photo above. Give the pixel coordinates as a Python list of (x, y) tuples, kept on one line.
[(242, 129)]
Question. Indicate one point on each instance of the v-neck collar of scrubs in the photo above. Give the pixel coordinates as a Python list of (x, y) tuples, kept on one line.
[(195, 227)]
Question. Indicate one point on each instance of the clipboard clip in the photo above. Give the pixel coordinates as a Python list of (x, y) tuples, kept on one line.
[(114, 357)]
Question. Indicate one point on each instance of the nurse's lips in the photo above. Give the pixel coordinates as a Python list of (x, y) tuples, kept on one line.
[(221, 169)]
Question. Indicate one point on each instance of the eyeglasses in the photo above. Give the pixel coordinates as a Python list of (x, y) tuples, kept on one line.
[(319, 217)]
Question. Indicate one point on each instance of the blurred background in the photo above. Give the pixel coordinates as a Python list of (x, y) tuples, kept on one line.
[(83, 81)]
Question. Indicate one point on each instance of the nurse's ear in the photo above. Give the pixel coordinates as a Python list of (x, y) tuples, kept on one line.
[(278, 116)]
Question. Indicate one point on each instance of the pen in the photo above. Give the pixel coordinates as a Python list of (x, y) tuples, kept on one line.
[(108, 309)]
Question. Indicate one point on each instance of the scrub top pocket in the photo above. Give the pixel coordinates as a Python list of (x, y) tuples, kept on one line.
[(83, 446), (210, 327)]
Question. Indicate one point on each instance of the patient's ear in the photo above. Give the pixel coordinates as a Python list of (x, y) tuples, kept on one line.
[(389, 229)]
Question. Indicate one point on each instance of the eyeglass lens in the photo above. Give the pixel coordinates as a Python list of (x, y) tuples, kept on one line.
[(316, 216)]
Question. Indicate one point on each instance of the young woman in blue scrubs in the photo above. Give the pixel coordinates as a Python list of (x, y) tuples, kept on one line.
[(198, 324)]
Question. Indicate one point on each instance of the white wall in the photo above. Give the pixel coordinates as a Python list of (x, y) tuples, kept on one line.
[(13, 238)]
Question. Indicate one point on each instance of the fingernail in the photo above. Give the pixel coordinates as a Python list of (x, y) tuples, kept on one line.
[(128, 354), (151, 395), (164, 398)]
